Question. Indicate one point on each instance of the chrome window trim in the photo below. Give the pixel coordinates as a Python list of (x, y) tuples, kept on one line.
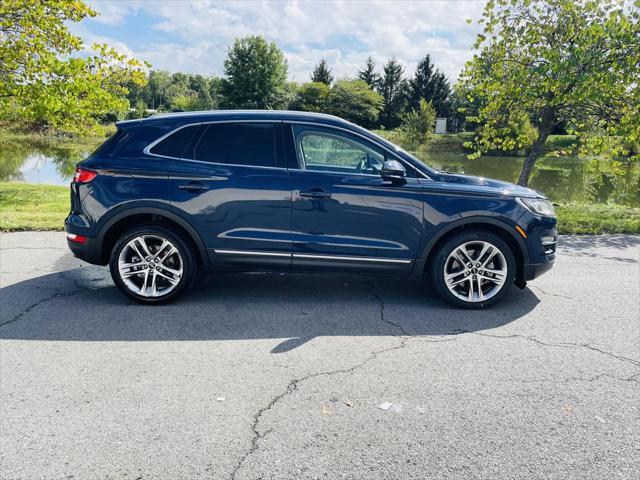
[(312, 256), (358, 134), (147, 149)]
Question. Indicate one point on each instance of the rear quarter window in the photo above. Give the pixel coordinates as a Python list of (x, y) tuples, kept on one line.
[(113, 143), (175, 144)]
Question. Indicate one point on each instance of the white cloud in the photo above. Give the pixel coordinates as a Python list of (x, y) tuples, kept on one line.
[(112, 12), (343, 32)]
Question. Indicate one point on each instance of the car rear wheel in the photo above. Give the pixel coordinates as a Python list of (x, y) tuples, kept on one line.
[(151, 264), (473, 269)]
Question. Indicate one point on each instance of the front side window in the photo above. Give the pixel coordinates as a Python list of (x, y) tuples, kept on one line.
[(252, 144), (325, 150)]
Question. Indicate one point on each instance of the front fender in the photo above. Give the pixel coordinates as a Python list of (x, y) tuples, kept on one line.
[(505, 226)]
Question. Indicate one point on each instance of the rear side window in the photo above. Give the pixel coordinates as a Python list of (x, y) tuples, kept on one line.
[(176, 143), (252, 144), (113, 143)]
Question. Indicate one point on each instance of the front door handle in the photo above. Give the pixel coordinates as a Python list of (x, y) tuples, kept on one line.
[(315, 193), (194, 187)]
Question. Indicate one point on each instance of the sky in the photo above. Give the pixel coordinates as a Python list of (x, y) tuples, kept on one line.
[(194, 36)]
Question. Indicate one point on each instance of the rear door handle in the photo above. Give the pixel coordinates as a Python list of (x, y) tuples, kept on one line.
[(194, 187), (315, 193)]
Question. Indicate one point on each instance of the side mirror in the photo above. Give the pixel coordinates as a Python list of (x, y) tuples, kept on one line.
[(392, 170)]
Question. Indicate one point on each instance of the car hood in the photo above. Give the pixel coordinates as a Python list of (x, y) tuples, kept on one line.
[(490, 185)]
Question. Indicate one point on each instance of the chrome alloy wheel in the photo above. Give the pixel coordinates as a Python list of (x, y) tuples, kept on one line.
[(475, 271), (150, 266)]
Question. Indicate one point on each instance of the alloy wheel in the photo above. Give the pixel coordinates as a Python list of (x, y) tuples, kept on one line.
[(475, 271), (150, 266)]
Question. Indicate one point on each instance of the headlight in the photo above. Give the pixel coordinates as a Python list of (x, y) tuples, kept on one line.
[(539, 206)]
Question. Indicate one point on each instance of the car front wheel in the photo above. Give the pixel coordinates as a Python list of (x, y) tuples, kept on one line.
[(473, 269), (151, 264)]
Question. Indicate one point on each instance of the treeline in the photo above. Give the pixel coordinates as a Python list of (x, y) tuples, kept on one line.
[(255, 76)]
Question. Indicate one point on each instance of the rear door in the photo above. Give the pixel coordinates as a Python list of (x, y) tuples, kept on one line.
[(231, 185), (344, 214)]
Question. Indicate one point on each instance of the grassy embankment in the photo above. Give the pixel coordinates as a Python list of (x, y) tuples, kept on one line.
[(16, 136), (44, 207), (25, 206)]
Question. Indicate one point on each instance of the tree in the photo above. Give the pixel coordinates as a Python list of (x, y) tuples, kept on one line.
[(312, 97), (353, 100), (40, 78), (33, 36), (322, 73), (392, 87), (369, 75), (81, 92), (430, 84), (159, 82), (555, 61), (421, 85), (256, 73), (441, 93), (417, 125)]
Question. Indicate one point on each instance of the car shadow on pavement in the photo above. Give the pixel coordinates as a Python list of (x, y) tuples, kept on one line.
[(82, 304)]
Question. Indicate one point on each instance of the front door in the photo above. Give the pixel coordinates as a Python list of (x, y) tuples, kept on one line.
[(344, 215)]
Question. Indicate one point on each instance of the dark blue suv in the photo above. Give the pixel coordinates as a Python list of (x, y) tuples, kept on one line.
[(293, 191)]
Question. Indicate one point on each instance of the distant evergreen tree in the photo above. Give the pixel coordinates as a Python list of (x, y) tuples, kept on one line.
[(392, 87), (322, 73), (369, 75), (429, 84), (441, 96)]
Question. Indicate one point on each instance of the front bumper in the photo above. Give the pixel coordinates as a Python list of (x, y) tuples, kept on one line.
[(534, 270)]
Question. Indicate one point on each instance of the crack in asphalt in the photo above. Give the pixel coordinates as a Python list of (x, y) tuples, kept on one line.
[(632, 378), (59, 294), (405, 337), (293, 384), (632, 361), (38, 303), (549, 294), (293, 387), (372, 291)]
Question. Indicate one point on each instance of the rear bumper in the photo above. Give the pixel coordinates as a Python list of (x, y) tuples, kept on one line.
[(88, 251)]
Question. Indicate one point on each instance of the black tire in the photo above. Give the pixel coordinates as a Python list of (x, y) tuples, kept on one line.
[(186, 257), (440, 257)]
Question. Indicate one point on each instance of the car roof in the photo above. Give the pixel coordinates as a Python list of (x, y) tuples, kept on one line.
[(183, 118)]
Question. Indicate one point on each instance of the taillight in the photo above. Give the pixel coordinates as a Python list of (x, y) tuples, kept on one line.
[(76, 238), (83, 175)]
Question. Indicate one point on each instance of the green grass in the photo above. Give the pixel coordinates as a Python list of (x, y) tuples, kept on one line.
[(598, 218), (26, 206), (80, 142), (44, 207)]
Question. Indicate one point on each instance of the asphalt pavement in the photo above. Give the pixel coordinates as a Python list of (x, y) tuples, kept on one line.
[(318, 376)]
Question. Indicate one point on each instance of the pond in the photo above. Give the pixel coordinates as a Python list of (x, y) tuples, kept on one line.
[(563, 179)]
